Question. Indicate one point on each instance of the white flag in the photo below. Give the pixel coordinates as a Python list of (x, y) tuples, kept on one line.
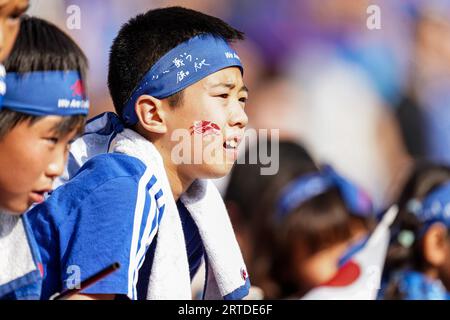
[(360, 277)]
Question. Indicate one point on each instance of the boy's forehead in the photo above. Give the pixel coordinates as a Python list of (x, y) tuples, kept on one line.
[(49, 123), (39, 125), (64, 127), (226, 77)]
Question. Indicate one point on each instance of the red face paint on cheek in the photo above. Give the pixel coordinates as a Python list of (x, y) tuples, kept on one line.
[(205, 128)]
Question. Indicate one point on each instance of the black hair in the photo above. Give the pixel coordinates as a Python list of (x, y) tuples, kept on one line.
[(41, 46), (144, 39), (247, 183), (315, 225), (248, 197), (424, 179)]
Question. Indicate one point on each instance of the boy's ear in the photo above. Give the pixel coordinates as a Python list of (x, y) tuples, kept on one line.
[(435, 245), (150, 114)]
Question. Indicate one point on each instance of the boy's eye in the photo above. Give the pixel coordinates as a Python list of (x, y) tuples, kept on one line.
[(243, 100), (223, 96), (14, 16), (52, 140), (17, 13)]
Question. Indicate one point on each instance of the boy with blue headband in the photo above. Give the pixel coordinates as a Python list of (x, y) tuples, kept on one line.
[(135, 194), (10, 12), (43, 110)]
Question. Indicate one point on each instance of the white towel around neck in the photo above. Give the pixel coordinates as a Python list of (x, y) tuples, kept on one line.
[(170, 279)]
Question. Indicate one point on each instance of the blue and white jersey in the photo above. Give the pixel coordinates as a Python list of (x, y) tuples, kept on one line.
[(96, 139), (108, 212), (20, 263), (414, 285)]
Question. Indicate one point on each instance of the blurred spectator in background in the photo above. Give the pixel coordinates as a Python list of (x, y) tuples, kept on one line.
[(418, 260), (345, 123), (308, 241), (424, 112), (307, 225), (350, 77), (319, 222), (245, 193)]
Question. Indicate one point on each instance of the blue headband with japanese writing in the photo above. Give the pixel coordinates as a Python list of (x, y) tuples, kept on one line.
[(2, 84), (44, 93), (311, 185), (181, 67)]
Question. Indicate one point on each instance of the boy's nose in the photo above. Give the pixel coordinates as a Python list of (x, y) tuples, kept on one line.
[(56, 166), (238, 117)]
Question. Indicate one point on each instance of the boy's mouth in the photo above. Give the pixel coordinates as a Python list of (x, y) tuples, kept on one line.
[(38, 196), (232, 143)]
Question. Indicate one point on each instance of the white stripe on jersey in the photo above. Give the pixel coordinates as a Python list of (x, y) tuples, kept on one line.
[(153, 213), (149, 232), (138, 213)]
